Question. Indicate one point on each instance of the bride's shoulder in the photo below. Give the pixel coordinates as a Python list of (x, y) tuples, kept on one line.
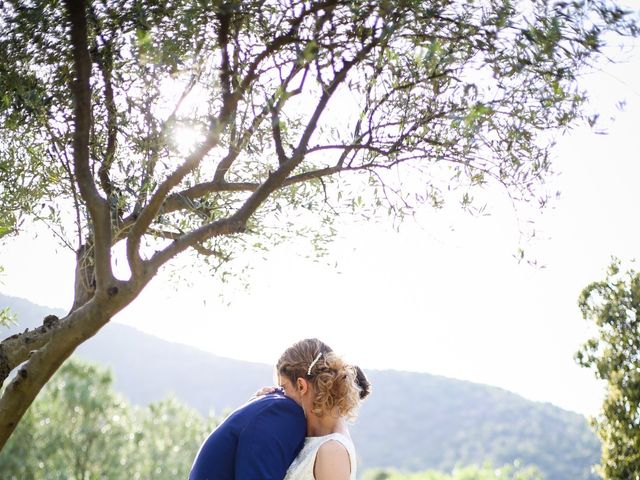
[(333, 460), (340, 439)]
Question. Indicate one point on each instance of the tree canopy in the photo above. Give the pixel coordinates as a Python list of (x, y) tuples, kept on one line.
[(613, 305), (286, 101)]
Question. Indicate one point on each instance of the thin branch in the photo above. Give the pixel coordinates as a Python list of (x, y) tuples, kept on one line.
[(104, 61), (276, 105), (64, 161), (326, 196), (235, 149), (277, 134), (150, 167), (227, 226), (278, 42), (207, 252), (57, 234)]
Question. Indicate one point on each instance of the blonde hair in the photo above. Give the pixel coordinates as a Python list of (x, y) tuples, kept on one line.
[(337, 386)]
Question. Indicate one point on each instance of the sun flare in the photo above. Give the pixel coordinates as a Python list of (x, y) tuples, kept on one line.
[(185, 139)]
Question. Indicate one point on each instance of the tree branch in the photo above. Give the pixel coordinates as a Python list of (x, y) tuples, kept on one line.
[(227, 226), (155, 203), (224, 17), (277, 134), (16, 349), (104, 61), (98, 207), (235, 149), (277, 98), (282, 40), (184, 200), (112, 127), (277, 178)]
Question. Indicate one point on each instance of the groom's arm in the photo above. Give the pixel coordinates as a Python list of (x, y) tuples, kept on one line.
[(268, 445)]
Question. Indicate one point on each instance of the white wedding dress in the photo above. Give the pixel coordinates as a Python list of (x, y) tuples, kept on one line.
[(302, 466)]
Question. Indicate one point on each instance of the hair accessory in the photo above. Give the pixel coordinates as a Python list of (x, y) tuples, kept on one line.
[(313, 363)]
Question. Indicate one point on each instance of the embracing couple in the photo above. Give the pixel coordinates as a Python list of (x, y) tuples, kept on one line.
[(296, 431)]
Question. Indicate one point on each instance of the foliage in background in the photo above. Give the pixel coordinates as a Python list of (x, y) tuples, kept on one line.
[(461, 423), (7, 317), (486, 472), (613, 305), (80, 429)]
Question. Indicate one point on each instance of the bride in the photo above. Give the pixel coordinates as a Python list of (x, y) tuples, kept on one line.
[(329, 391)]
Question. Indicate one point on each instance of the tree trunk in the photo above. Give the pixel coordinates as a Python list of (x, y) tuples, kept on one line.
[(85, 281)]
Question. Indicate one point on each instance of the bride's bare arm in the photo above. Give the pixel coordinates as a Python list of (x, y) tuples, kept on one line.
[(332, 462)]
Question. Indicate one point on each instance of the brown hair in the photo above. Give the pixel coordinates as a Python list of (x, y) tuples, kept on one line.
[(338, 386)]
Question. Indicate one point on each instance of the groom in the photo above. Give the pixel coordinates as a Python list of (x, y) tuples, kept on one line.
[(257, 441)]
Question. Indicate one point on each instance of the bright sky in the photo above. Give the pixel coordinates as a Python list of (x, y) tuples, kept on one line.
[(444, 295)]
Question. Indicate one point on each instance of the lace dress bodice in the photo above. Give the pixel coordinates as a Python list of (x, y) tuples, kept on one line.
[(302, 466)]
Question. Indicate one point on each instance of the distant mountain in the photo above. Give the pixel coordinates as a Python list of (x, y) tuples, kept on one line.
[(412, 421), (202, 380)]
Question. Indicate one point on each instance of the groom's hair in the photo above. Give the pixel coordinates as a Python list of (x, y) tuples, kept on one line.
[(363, 383)]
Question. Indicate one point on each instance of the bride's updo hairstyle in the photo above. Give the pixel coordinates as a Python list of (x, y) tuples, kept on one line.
[(338, 386)]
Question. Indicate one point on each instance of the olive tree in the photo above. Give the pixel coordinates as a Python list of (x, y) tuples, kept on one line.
[(613, 353), (300, 109)]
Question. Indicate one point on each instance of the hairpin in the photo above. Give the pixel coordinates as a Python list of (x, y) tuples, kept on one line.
[(313, 363)]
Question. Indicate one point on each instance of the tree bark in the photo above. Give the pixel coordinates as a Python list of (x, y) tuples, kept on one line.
[(85, 283), (16, 349)]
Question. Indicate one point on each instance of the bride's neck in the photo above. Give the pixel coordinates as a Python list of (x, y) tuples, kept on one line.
[(325, 425)]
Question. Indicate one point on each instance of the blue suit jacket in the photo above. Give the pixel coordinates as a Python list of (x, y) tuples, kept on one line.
[(256, 442)]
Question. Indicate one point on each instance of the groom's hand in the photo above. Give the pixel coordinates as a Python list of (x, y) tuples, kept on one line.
[(268, 390)]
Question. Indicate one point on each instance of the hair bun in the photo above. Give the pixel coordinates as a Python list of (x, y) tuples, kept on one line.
[(362, 382), (338, 387)]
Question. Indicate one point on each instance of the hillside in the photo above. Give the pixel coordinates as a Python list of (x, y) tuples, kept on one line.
[(412, 421)]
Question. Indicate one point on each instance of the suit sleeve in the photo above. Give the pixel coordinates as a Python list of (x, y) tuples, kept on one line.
[(268, 445)]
